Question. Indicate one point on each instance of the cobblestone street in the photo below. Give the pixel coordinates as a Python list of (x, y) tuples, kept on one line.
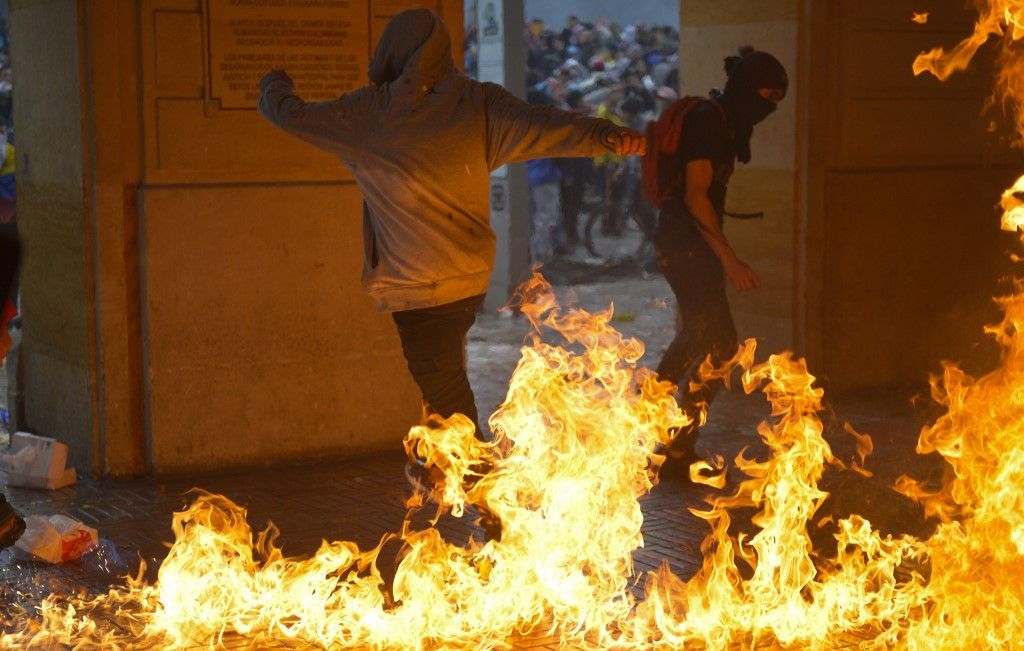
[(360, 499)]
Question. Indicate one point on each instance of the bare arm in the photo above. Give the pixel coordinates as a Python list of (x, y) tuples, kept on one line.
[(323, 124), (517, 131), (699, 175)]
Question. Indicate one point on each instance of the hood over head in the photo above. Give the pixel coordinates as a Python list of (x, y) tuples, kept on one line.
[(414, 42)]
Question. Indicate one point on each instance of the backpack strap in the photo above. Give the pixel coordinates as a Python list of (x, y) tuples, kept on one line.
[(661, 176)]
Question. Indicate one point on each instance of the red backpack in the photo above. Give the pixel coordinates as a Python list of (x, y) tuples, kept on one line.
[(663, 176)]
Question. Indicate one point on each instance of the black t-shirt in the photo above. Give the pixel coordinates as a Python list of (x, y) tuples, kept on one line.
[(706, 135)]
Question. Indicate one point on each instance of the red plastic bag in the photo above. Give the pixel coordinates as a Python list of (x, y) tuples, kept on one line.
[(56, 538)]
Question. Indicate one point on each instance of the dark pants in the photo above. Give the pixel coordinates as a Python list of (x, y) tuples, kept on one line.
[(434, 344), (9, 256), (575, 172), (705, 326)]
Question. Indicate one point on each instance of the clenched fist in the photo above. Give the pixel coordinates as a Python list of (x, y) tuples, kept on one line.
[(275, 75), (626, 142)]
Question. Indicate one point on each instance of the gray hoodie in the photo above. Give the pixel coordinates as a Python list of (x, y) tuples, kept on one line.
[(421, 142)]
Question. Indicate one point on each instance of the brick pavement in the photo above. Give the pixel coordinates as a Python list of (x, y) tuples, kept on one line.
[(355, 499), (359, 499)]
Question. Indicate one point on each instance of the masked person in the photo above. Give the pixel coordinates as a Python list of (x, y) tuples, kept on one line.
[(10, 253), (693, 148), (421, 141)]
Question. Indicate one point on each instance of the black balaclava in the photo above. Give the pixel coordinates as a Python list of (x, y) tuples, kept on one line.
[(747, 73)]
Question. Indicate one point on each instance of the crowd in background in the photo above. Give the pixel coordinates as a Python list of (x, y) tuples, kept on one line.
[(8, 223), (7, 193), (6, 128), (626, 73)]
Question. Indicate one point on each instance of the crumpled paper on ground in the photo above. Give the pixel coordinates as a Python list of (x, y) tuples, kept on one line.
[(56, 538)]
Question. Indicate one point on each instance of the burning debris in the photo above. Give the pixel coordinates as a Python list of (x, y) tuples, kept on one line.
[(577, 446)]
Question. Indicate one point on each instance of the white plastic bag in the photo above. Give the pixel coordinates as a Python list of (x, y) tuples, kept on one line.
[(37, 462), (56, 538)]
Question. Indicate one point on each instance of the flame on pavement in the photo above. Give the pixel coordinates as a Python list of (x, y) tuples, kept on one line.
[(577, 445)]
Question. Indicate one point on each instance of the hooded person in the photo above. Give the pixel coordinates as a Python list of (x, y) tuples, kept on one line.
[(421, 141), (694, 148)]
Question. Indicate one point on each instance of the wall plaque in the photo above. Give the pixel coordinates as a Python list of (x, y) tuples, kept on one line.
[(323, 44)]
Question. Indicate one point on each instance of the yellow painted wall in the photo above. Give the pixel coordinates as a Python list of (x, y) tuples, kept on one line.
[(711, 30), (262, 346), (192, 296), (56, 358)]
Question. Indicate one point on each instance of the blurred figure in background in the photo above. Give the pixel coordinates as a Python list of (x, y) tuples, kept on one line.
[(11, 524), (6, 94), (10, 256), (625, 71), (575, 174), (10, 250), (544, 176)]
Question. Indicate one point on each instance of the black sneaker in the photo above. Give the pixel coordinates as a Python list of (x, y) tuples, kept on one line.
[(677, 466), (679, 454), (425, 480), (11, 524)]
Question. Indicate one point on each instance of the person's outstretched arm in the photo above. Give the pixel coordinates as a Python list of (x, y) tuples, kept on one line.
[(517, 131), (324, 124)]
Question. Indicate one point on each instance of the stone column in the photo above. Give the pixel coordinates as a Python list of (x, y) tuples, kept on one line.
[(502, 60), (57, 355), (191, 279)]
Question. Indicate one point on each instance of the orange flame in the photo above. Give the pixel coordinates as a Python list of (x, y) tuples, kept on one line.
[(576, 447), (996, 17), (577, 442), (976, 587), (1002, 18), (786, 599)]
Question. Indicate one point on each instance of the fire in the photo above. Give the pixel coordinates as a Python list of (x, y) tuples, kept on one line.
[(998, 18), (786, 598), (577, 445), (976, 587)]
